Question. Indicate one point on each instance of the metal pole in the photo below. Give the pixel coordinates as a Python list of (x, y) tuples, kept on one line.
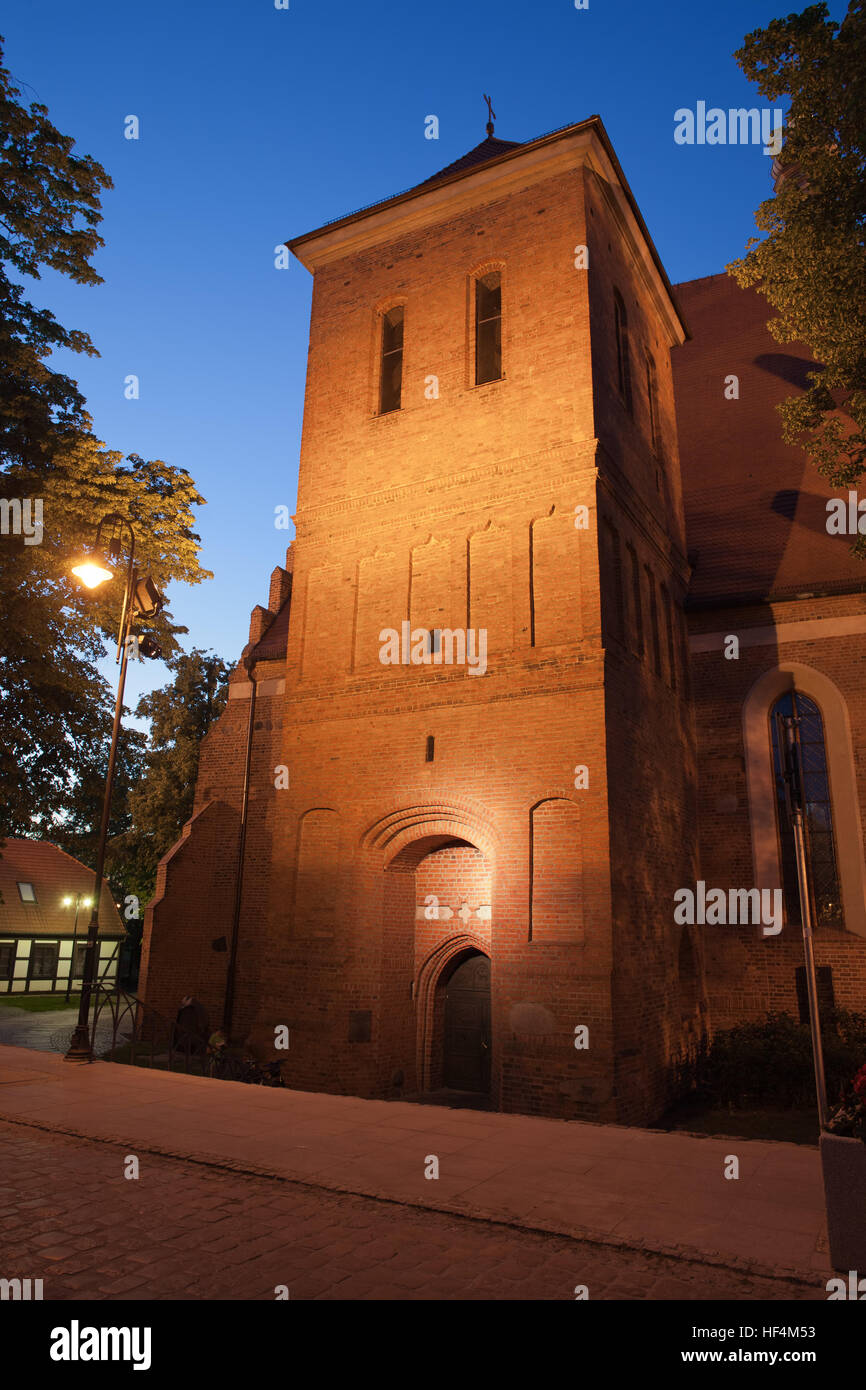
[(79, 1048), (793, 780), (74, 940)]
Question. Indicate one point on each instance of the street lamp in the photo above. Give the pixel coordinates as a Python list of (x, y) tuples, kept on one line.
[(140, 596), (67, 902), (92, 573)]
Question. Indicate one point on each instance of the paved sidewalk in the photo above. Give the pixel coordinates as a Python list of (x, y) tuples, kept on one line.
[(185, 1230), (631, 1188)]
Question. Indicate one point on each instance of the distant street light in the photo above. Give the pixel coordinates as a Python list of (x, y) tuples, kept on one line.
[(140, 596)]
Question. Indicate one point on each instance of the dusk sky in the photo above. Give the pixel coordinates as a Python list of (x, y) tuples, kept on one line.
[(258, 124)]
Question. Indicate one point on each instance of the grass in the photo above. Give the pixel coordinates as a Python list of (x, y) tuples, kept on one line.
[(782, 1126), (38, 1003)]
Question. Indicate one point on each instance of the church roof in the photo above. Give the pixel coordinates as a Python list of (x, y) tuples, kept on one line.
[(490, 148)]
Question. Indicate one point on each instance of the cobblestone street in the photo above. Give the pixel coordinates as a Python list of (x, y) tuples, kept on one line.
[(183, 1230)]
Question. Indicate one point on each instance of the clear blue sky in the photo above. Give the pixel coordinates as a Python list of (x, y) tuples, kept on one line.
[(258, 124)]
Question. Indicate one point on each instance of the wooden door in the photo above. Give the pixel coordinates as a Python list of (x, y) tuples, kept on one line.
[(467, 1026)]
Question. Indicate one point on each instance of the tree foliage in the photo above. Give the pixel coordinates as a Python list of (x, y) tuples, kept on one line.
[(49, 211), (811, 265), (55, 708), (161, 802)]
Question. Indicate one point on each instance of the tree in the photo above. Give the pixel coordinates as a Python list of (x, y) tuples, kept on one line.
[(55, 708), (811, 266), (161, 802)]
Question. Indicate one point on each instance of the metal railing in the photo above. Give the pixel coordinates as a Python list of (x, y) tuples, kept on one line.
[(122, 1028)]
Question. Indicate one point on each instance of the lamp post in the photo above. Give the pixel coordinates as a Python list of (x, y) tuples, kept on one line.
[(67, 902), (792, 771), (140, 595)]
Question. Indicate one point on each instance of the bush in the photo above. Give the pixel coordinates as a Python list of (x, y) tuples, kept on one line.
[(769, 1064)]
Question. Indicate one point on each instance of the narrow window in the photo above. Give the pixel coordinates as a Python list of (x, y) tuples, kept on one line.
[(79, 956), (818, 828), (826, 992), (26, 892), (391, 381), (636, 600), (431, 748), (654, 621), (653, 398), (611, 541), (488, 328), (623, 369), (669, 633), (685, 655)]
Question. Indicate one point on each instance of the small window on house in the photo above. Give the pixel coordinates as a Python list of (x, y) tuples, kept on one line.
[(43, 960), (391, 380), (488, 328), (431, 748), (26, 892), (7, 959), (623, 368), (434, 640), (652, 391), (79, 957)]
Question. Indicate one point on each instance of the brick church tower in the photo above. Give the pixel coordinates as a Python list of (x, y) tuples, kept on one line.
[(457, 764)]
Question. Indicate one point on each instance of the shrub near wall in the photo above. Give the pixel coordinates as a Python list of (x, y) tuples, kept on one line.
[(770, 1063)]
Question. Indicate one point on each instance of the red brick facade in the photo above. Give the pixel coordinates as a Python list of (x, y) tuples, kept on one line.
[(555, 813)]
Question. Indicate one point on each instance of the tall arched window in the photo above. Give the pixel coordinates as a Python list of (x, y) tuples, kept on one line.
[(623, 366), (820, 841), (391, 366), (488, 327), (652, 391)]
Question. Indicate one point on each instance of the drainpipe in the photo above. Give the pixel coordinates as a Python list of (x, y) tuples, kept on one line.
[(228, 1009)]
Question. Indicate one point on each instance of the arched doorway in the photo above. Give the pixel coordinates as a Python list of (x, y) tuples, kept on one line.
[(436, 912), (466, 1025)]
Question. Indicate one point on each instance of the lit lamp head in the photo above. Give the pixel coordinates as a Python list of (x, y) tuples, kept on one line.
[(92, 571)]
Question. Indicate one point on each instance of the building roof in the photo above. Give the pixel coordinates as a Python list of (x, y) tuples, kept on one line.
[(54, 875), (488, 149), (485, 153), (272, 645), (756, 507)]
